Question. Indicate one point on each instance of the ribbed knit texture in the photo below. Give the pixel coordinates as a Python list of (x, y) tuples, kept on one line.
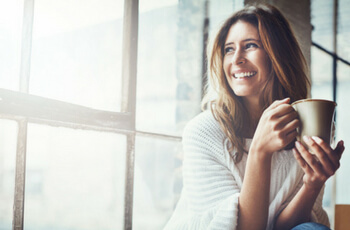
[(212, 181)]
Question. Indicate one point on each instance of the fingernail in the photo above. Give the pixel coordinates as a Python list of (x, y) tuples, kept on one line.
[(317, 139), (306, 139), (297, 143)]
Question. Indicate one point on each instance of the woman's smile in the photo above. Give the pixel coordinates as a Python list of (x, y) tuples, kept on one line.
[(244, 75)]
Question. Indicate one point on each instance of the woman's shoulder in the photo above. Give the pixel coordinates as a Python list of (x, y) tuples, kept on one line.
[(203, 138), (204, 125)]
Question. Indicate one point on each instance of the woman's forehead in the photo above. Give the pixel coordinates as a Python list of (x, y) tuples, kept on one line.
[(241, 31)]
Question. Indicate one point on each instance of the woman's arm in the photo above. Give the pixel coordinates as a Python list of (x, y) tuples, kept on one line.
[(210, 190), (275, 130), (317, 170), (254, 198), (298, 210)]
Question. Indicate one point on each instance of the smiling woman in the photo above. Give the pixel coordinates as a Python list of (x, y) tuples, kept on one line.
[(75, 112), (239, 169)]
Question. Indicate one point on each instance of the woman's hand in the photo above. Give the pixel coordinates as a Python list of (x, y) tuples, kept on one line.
[(320, 166), (276, 128)]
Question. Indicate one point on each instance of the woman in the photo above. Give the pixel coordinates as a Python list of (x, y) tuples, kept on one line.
[(239, 170)]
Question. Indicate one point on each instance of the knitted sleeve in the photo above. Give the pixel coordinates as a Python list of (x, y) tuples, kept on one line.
[(212, 192)]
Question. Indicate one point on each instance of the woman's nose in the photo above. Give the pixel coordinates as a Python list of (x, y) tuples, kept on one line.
[(238, 58)]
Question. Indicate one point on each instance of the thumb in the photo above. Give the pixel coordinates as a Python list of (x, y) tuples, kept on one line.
[(340, 148)]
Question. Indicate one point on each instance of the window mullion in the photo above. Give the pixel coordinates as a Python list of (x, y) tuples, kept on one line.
[(129, 71), (26, 43), (18, 212), (129, 58)]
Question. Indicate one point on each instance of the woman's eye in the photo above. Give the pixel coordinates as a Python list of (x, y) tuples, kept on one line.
[(228, 50), (251, 45)]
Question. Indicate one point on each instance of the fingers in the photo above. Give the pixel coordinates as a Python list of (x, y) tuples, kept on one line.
[(284, 113), (325, 160), (333, 155), (289, 121), (309, 159), (324, 154), (301, 161), (282, 121), (277, 103)]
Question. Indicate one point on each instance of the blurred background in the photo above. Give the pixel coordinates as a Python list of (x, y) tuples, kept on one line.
[(94, 96)]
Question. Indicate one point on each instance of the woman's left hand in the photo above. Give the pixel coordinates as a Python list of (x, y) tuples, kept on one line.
[(320, 166)]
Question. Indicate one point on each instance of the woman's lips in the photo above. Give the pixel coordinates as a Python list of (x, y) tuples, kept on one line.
[(244, 74)]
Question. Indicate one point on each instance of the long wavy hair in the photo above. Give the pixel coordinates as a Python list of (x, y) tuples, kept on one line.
[(288, 71)]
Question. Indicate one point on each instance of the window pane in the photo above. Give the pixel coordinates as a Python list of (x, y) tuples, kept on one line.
[(169, 65), (11, 13), (158, 182), (170, 60), (219, 11), (321, 74), (343, 127), (8, 137), (322, 22), (76, 52), (75, 179), (343, 34)]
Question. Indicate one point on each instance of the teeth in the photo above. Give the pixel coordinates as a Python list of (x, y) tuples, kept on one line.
[(245, 74)]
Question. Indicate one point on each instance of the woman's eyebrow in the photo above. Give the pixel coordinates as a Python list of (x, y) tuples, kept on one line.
[(229, 43), (251, 39), (245, 40)]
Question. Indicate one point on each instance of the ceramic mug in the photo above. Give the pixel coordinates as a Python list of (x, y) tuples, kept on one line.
[(316, 118)]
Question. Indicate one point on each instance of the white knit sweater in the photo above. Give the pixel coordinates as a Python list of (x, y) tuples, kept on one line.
[(212, 181)]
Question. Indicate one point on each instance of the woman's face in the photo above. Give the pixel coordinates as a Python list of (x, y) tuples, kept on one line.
[(246, 64)]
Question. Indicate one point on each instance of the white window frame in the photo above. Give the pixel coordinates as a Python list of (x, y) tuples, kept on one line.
[(25, 108)]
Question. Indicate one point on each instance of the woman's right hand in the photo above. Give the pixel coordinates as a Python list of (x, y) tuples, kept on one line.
[(276, 128)]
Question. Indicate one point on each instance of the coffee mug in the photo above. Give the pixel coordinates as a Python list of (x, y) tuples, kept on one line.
[(316, 118)]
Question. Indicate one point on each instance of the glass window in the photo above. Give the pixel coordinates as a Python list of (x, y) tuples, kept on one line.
[(158, 181), (343, 30), (343, 95), (170, 61), (8, 136), (169, 65), (322, 70), (219, 11), (322, 23), (76, 52), (75, 179), (321, 74), (11, 14), (343, 127)]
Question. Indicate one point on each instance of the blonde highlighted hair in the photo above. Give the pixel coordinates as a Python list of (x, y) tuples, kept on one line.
[(288, 76)]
